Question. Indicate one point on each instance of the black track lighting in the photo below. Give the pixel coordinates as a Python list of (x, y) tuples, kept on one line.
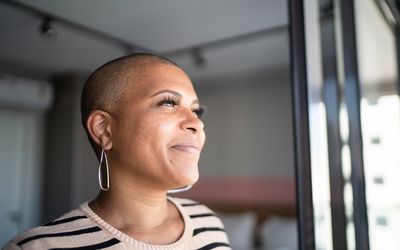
[(47, 30), (198, 57)]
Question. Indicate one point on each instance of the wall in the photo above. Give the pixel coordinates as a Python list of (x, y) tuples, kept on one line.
[(71, 166), (248, 124)]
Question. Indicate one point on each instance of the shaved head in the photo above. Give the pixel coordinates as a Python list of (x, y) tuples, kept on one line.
[(105, 87)]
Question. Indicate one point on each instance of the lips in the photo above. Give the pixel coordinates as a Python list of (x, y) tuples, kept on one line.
[(186, 147)]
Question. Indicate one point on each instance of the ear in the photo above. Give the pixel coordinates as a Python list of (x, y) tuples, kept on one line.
[(98, 125)]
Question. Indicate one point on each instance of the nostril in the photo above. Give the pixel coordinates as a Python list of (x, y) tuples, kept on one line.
[(192, 129)]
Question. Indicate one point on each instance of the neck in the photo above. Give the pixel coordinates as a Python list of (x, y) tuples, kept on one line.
[(127, 206), (139, 209)]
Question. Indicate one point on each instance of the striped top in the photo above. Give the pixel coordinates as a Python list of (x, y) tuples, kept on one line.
[(83, 229)]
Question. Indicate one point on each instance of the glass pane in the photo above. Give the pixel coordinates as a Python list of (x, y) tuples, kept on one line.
[(318, 129), (380, 117)]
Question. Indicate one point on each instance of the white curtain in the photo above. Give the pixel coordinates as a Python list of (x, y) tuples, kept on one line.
[(21, 145)]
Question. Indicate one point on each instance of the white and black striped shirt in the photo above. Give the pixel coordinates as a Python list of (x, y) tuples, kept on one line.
[(83, 229)]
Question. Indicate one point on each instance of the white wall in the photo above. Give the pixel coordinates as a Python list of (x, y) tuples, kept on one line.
[(248, 124)]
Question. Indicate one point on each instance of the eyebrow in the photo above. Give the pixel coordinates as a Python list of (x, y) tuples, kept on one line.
[(167, 91), (196, 101)]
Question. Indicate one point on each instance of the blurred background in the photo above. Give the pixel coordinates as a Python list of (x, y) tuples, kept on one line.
[(238, 55)]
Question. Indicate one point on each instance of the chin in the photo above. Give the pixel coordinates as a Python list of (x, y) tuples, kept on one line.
[(188, 177)]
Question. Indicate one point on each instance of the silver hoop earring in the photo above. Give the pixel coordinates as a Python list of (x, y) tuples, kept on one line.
[(178, 190), (103, 158)]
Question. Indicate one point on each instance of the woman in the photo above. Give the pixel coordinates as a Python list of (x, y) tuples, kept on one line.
[(142, 117)]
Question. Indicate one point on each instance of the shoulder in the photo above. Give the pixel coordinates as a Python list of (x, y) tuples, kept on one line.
[(207, 227), (48, 235), (193, 208)]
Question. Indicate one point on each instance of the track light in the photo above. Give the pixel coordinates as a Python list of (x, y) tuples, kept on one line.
[(198, 57), (47, 30)]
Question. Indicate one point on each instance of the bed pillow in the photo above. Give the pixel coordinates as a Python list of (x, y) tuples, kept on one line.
[(279, 234), (240, 229)]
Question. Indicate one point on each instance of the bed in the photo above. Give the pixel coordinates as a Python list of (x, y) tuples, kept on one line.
[(258, 212)]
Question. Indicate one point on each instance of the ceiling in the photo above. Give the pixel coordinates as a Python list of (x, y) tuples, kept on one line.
[(230, 35)]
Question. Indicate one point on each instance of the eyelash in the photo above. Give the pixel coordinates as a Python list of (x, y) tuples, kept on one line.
[(169, 101), (173, 101), (200, 112)]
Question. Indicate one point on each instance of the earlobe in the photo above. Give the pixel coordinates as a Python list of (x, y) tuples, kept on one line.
[(98, 126)]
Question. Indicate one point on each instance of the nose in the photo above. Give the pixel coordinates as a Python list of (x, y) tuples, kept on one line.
[(192, 122)]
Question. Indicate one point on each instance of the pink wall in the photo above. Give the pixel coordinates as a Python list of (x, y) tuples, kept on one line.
[(273, 191)]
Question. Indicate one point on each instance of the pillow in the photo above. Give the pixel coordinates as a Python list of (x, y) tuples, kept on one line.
[(279, 234), (240, 229)]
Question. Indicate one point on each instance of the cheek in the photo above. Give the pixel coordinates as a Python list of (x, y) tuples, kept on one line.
[(164, 127), (153, 134), (144, 139)]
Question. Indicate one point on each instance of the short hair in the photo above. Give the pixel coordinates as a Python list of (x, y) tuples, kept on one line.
[(106, 85)]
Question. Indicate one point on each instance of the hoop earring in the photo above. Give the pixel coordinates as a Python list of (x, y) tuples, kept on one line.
[(178, 190), (103, 158)]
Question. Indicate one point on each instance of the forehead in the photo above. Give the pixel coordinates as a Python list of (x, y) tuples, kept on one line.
[(160, 76)]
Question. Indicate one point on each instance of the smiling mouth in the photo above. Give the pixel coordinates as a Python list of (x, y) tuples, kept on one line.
[(186, 148)]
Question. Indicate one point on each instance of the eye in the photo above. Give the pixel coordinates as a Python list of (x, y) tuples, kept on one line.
[(169, 101), (200, 111)]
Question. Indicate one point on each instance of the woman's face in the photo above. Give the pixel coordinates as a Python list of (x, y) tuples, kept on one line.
[(157, 135)]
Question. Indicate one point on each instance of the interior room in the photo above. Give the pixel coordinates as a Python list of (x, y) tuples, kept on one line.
[(237, 55), (302, 117)]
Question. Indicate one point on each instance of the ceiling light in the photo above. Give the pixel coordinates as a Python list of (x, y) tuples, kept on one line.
[(47, 30), (198, 57)]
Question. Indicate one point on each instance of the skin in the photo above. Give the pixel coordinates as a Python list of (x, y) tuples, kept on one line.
[(152, 146)]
